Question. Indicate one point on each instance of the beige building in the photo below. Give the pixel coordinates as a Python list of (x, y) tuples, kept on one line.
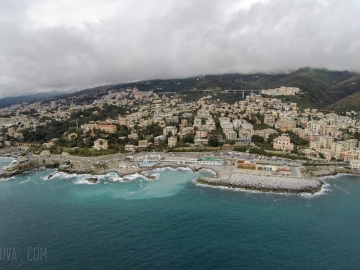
[(231, 135), (130, 148), (337, 148), (265, 133), (326, 141), (199, 141), (269, 119), (285, 124), (283, 143), (133, 135), (245, 135), (103, 127), (172, 141), (168, 129), (100, 144), (201, 133), (143, 143), (348, 155)]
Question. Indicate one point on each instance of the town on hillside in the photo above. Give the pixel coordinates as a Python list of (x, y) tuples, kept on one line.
[(127, 120)]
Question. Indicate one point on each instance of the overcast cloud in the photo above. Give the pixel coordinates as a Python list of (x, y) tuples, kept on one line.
[(65, 44)]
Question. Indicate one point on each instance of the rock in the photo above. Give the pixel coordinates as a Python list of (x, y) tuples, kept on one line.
[(92, 180)]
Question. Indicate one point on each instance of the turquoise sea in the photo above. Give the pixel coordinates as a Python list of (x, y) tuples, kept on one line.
[(171, 223)]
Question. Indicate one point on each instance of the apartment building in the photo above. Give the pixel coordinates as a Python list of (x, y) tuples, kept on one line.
[(283, 143)]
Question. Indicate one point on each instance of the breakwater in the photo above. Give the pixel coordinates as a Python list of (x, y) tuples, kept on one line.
[(265, 183)]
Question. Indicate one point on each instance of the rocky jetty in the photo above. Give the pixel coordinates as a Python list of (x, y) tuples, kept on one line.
[(31, 165), (265, 183)]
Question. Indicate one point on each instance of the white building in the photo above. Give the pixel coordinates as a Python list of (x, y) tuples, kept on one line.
[(355, 164)]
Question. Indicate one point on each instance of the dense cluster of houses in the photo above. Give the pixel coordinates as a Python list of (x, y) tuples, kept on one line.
[(325, 132)]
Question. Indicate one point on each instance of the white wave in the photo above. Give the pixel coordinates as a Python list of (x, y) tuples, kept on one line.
[(83, 182), (132, 177), (26, 180), (101, 176), (115, 178), (209, 170), (329, 177), (163, 169), (325, 189), (9, 178), (155, 175), (338, 175), (63, 175)]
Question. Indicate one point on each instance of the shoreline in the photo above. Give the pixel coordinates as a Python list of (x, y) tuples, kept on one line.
[(224, 176)]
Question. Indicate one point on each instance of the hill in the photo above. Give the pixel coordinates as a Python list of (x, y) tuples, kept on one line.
[(349, 103), (8, 101), (321, 88)]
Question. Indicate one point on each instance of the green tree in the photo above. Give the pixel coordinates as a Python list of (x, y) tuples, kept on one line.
[(213, 142), (257, 138)]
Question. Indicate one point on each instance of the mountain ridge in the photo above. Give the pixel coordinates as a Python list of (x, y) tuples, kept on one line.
[(321, 88)]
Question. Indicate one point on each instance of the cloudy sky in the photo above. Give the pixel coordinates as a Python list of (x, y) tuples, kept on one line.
[(51, 45)]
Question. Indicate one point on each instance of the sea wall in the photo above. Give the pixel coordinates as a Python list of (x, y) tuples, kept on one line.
[(265, 183)]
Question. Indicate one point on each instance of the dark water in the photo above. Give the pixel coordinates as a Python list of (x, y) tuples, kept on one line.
[(64, 223)]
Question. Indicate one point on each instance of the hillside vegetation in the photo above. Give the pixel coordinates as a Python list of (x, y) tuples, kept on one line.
[(321, 88), (349, 103)]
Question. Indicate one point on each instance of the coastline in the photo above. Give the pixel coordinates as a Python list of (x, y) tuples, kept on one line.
[(224, 176)]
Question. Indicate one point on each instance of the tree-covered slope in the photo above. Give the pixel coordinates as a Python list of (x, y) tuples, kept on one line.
[(321, 88)]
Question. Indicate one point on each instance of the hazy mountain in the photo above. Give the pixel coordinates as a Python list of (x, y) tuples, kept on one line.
[(4, 102)]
